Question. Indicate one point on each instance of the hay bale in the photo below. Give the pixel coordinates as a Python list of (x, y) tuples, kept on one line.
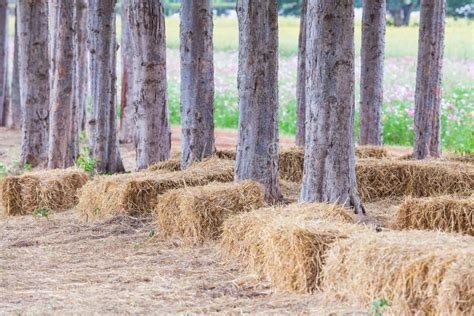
[(465, 158), (368, 151), (167, 165), (379, 179), (137, 193), (196, 214), (226, 154), (291, 161), (447, 213), (55, 190), (286, 245), (456, 292), (406, 268)]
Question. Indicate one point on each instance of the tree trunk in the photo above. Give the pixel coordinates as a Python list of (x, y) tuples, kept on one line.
[(61, 116), (147, 30), (15, 105), (79, 77), (102, 123), (407, 8), (371, 77), (197, 81), (397, 17), (258, 148), (127, 124), (329, 162), (428, 79), (34, 79), (301, 79), (3, 62)]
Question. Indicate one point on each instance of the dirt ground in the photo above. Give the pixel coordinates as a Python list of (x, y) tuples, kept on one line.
[(67, 264)]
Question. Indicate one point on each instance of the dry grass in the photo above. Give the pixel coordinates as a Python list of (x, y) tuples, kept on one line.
[(447, 213), (137, 193), (413, 270), (196, 214), (286, 245), (55, 190), (379, 179)]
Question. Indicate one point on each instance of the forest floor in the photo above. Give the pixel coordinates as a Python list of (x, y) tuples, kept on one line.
[(66, 264)]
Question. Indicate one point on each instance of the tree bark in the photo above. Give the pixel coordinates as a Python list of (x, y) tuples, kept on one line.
[(428, 79), (79, 77), (127, 124), (103, 139), (3, 62), (147, 30), (15, 105), (258, 148), (301, 79), (329, 164), (197, 81), (34, 79), (371, 77), (61, 115)]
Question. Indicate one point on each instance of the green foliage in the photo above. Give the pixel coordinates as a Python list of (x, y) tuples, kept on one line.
[(3, 170), (85, 161), (379, 305), (41, 212), (27, 167), (151, 233)]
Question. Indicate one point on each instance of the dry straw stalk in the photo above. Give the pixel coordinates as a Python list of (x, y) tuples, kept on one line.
[(55, 190), (286, 245), (416, 271), (447, 213), (196, 214), (137, 193)]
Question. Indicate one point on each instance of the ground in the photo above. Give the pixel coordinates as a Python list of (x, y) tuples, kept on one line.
[(67, 264)]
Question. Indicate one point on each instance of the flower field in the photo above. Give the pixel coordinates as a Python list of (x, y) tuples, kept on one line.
[(399, 81)]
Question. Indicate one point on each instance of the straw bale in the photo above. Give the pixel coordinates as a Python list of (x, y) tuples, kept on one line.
[(447, 213), (291, 161), (368, 151), (456, 292), (137, 193), (196, 214), (55, 190), (379, 179), (408, 269), (465, 158), (226, 154), (286, 245), (167, 165)]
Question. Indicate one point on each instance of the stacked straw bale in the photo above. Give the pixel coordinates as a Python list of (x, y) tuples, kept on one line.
[(447, 213), (138, 193), (286, 245), (418, 272), (196, 214), (379, 179), (55, 190)]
